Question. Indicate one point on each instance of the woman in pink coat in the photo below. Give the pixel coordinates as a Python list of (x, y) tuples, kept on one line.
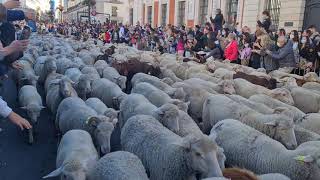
[(231, 51)]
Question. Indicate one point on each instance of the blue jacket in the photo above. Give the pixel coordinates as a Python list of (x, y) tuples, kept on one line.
[(15, 15)]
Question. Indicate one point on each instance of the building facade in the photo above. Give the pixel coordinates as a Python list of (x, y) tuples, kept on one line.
[(287, 14), (104, 10)]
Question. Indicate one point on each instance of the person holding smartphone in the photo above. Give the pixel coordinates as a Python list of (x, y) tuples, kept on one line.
[(9, 47)]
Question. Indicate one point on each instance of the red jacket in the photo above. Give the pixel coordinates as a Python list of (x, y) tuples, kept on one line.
[(231, 51), (107, 37)]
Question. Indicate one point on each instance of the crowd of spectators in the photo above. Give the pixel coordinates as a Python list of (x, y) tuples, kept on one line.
[(262, 48)]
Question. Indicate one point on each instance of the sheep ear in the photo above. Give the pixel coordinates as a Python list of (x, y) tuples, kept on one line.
[(185, 144), (54, 173), (213, 136), (92, 121), (42, 107), (306, 159), (271, 123), (23, 107)]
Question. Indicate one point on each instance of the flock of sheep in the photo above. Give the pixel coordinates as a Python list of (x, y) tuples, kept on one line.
[(179, 120)]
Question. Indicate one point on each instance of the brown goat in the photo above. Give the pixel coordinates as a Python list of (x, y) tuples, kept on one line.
[(270, 84), (239, 174)]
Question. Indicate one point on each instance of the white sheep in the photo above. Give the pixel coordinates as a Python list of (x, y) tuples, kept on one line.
[(311, 122), (196, 95), (135, 104), (102, 109), (223, 87), (176, 93), (76, 155), (73, 113), (157, 97), (259, 107), (248, 148), (118, 165), (306, 100), (246, 89), (112, 97), (165, 155), (279, 127), (113, 75), (59, 90)]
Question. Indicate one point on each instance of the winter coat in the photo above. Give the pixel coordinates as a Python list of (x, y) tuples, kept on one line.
[(284, 56), (231, 51)]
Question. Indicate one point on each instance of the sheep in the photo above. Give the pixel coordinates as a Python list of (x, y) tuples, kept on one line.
[(64, 63), (76, 155), (277, 126), (87, 58), (314, 86), (113, 75), (49, 67), (165, 155), (223, 87), (175, 93), (59, 90), (30, 100), (135, 104), (303, 135), (306, 100), (248, 148), (51, 78), (82, 82), (247, 89), (205, 77), (196, 96), (26, 75), (112, 97), (259, 107), (97, 105), (91, 71), (73, 74), (273, 176), (167, 73), (311, 122), (157, 97), (119, 165), (274, 103), (73, 113), (78, 61), (100, 65), (222, 73)]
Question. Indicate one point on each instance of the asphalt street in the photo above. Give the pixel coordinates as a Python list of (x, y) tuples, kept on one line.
[(18, 159)]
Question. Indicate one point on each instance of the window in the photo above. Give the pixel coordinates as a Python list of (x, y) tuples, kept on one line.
[(203, 11), (273, 6), (131, 16), (114, 12), (149, 18), (232, 12), (181, 12), (163, 14)]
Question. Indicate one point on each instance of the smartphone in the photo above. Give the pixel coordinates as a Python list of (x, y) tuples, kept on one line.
[(25, 34)]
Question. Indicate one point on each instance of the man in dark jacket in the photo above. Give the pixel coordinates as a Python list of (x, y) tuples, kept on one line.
[(284, 55), (218, 21)]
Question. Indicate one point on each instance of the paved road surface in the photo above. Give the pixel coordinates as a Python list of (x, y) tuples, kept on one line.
[(18, 160)]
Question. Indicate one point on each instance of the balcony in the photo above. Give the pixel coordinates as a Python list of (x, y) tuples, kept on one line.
[(113, 1)]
